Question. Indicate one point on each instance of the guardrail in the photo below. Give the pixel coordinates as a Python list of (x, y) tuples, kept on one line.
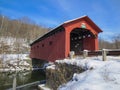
[(28, 85), (104, 53), (108, 52)]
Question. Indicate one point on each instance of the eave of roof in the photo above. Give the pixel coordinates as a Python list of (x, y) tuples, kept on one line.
[(46, 35)]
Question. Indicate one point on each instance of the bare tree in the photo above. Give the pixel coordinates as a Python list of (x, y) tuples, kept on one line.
[(105, 44), (116, 41), (23, 28)]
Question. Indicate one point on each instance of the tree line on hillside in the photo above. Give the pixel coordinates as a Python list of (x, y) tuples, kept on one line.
[(113, 44), (18, 33), (20, 28)]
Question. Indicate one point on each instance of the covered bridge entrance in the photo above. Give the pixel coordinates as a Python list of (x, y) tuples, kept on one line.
[(75, 35)]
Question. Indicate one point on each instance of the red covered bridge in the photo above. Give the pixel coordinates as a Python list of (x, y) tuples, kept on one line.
[(75, 35)]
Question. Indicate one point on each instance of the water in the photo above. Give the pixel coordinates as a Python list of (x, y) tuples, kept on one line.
[(22, 78)]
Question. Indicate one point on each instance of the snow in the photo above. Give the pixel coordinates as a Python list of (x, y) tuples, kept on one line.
[(50, 65), (12, 57), (11, 40), (14, 62), (43, 87), (99, 75), (74, 19)]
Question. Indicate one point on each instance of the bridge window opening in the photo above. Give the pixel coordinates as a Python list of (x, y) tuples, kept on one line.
[(50, 43), (42, 45)]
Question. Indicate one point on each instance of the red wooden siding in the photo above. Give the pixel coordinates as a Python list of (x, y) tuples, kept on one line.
[(90, 43), (50, 48)]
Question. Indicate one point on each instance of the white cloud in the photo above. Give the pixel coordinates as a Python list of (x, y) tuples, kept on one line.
[(107, 35)]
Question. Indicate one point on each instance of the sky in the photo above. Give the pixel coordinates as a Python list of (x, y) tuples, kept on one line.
[(52, 13)]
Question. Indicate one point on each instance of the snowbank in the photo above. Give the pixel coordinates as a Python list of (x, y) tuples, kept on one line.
[(99, 75), (50, 65), (6, 57), (14, 62)]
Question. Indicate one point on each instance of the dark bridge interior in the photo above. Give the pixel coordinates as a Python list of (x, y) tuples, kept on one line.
[(77, 36)]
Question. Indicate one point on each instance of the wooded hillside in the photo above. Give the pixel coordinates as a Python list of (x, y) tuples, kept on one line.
[(16, 35), (113, 44), (20, 28)]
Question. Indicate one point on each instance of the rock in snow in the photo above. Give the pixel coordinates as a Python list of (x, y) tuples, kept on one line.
[(99, 75)]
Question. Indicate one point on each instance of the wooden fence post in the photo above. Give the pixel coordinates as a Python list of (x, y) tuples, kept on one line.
[(104, 55), (72, 53), (14, 82), (85, 53)]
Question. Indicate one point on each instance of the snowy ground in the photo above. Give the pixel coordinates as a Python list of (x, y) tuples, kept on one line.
[(99, 75), (6, 57), (14, 62)]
